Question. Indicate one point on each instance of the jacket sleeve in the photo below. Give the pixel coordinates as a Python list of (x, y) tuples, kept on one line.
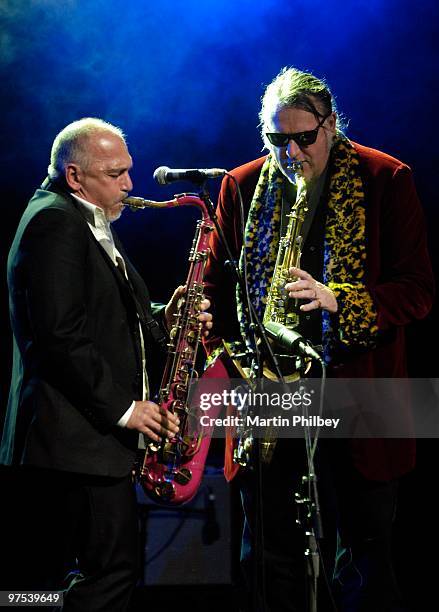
[(400, 285), (219, 284), (405, 290)]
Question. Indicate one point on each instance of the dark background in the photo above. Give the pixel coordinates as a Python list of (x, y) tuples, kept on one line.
[(183, 79)]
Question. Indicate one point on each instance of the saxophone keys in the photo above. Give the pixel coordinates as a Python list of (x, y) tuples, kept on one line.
[(165, 491), (180, 391), (183, 476), (192, 337)]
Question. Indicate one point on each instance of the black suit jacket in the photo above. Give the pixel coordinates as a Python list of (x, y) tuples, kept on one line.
[(77, 362)]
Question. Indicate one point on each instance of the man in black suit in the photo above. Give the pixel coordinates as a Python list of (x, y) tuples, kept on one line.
[(84, 333)]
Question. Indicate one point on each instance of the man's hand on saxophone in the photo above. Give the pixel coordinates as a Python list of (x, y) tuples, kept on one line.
[(155, 422), (147, 417), (171, 308), (307, 288)]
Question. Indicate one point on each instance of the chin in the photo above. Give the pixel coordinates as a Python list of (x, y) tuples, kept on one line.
[(293, 176), (115, 214)]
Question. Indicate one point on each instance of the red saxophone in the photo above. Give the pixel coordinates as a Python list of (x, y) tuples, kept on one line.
[(172, 469)]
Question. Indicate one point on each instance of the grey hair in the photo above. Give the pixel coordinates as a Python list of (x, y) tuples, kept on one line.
[(70, 144), (293, 88)]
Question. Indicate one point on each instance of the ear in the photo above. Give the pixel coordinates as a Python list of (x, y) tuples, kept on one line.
[(73, 176), (331, 122)]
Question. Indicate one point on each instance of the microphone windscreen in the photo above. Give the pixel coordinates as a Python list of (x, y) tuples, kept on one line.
[(160, 175)]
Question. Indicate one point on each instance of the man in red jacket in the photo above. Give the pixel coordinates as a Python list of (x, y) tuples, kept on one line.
[(364, 274)]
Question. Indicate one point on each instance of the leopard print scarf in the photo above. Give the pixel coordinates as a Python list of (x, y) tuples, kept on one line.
[(355, 324)]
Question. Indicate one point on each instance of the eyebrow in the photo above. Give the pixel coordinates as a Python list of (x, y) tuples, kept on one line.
[(119, 168)]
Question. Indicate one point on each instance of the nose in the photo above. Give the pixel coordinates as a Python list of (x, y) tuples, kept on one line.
[(292, 150), (127, 184)]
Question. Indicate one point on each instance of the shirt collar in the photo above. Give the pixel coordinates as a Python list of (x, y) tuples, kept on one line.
[(94, 214)]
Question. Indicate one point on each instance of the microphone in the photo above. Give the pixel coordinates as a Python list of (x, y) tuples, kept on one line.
[(164, 175), (291, 340)]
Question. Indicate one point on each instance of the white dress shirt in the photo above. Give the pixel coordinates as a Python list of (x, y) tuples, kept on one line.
[(100, 228)]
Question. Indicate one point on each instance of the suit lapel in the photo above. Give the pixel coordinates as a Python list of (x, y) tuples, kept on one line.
[(133, 289), (151, 328)]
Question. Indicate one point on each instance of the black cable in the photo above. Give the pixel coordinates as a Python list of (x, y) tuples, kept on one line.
[(259, 604), (259, 557), (245, 286), (258, 330)]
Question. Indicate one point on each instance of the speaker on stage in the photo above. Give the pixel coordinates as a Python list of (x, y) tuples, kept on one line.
[(190, 544)]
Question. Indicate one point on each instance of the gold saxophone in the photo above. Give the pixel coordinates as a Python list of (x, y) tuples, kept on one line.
[(280, 308)]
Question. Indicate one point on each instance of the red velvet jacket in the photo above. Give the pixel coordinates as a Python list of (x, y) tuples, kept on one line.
[(399, 278)]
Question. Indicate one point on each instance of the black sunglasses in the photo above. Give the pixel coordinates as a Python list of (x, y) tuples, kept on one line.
[(303, 139)]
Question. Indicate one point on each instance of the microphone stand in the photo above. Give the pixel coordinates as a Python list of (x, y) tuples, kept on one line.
[(256, 332), (256, 329), (313, 527)]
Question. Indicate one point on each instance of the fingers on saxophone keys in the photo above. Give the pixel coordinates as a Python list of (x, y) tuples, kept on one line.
[(150, 433), (299, 273), (158, 432), (204, 304), (299, 284), (168, 423), (313, 305), (303, 294), (205, 318), (167, 414), (166, 432)]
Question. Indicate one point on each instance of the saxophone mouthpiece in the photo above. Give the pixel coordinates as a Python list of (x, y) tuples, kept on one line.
[(295, 165), (134, 203)]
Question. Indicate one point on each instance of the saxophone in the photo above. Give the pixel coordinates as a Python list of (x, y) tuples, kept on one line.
[(280, 309), (172, 469)]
